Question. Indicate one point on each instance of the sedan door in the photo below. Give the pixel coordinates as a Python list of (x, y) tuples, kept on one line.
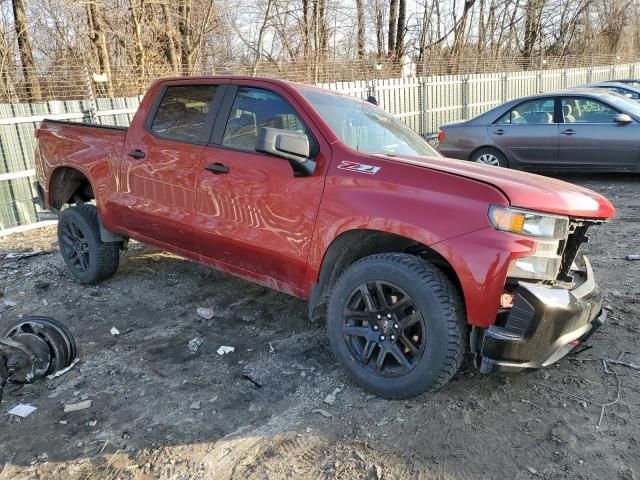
[(590, 136), (528, 134)]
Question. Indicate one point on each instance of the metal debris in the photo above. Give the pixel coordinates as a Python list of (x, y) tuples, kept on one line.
[(224, 349), (74, 407), (195, 344), (22, 410)]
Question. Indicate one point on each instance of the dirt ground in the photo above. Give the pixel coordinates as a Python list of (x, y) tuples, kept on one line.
[(160, 411)]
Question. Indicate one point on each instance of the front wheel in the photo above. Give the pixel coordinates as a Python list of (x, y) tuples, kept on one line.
[(88, 258), (489, 156), (397, 325)]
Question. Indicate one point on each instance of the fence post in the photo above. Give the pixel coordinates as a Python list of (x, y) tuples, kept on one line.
[(539, 81), (505, 87), (590, 75), (465, 97), (93, 105), (423, 105)]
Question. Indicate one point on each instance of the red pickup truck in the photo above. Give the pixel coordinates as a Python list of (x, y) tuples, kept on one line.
[(413, 259)]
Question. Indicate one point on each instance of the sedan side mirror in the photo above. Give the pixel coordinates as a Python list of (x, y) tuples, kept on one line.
[(622, 118), (283, 143)]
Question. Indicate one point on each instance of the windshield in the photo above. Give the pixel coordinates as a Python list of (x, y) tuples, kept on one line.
[(625, 104), (367, 128)]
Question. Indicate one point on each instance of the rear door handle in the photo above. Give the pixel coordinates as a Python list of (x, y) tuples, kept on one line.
[(569, 132), (137, 154), (217, 168), (499, 132)]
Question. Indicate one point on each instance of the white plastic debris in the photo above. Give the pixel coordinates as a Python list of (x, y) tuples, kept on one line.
[(22, 410), (331, 398), (206, 313), (195, 344), (74, 407), (114, 331), (223, 350), (59, 373)]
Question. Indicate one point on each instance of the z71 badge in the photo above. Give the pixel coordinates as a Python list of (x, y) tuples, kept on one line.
[(358, 167)]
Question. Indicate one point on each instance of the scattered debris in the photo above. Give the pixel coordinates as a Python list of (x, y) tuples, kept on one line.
[(532, 471), (247, 377), (195, 406), (331, 398), (619, 361), (195, 344), (206, 313), (224, 349), (22, 410), (114, 331), (74, 407), (322, 412), (104, 445), (8, 461), (23, 255), (59, 373), (271, 349), (9, 303), (632, 257), (41, 285)]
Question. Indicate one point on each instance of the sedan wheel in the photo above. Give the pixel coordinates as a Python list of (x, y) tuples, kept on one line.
[(488, 159)]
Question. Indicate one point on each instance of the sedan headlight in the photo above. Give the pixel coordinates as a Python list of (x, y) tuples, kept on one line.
[(548, 230)]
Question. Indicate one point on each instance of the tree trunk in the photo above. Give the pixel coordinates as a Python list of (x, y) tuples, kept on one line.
[(393, 19), (184, 27), (98, 38), (306, 29), (459, 33), (260, 40), (26, 54), (361, 28), (379, 30), (171, 52), (532, 26), (402, 27)]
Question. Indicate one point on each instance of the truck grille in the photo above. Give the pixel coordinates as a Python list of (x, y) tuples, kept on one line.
[(577, 236)]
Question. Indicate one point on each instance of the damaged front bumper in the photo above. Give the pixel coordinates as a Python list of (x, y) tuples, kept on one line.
[(544, 324)]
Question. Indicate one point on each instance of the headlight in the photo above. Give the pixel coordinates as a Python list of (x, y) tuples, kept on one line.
[(531, 224), (548, 230)]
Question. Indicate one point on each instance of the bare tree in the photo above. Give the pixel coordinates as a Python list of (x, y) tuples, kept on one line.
[(24, 47), (361, 28)]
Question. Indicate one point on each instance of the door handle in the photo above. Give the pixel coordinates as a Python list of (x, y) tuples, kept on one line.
[(137, 154), (569, 132), (499, 132), (217, 168)]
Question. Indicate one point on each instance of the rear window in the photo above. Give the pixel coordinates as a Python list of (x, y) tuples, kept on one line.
[(183, 113)]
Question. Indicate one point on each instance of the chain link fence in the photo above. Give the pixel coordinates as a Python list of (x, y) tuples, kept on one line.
[(422, 101)]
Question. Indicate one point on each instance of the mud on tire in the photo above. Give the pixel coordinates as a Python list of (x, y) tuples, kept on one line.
[(397, 325), (88, 258)]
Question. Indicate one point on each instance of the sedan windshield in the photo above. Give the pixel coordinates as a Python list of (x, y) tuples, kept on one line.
[(367, 128)]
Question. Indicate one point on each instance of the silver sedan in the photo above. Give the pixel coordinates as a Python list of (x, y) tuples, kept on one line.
[(581, 129)]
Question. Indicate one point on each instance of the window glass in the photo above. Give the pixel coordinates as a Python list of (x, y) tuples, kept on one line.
[(254, 108), (586, 110), (625, 92), (535, 112), (367, 128), (182, 114)]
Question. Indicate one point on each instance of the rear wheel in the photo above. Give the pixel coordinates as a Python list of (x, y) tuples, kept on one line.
[(489, 156), (88, 258), (396, 324)]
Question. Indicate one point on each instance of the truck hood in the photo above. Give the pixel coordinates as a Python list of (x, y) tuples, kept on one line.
[(525, 190)]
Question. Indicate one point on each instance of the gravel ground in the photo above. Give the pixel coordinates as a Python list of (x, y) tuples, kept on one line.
[(160, 411)]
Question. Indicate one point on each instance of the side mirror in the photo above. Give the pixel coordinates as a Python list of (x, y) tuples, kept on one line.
[(283, 143), (622, 118)]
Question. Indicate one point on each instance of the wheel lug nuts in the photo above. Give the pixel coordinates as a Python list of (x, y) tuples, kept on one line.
[(395, 325), (388, 315), (393, 337), (379, 317), (382, 337), (375, 327)]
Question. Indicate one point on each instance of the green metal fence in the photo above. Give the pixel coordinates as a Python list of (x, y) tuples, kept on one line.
[(423, 103)]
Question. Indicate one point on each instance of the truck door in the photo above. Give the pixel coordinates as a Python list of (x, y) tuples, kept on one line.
[(161, 159), (252, 214)]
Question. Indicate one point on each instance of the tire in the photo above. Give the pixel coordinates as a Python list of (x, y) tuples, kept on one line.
[(490, 156), (436, 329), (88, 258)]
